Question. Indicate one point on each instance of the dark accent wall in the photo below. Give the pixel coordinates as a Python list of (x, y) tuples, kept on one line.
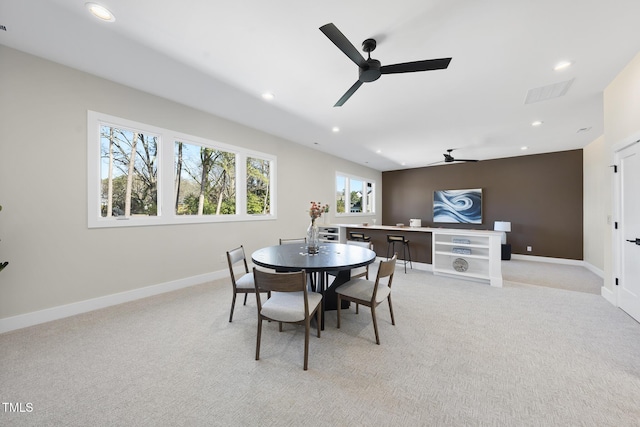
[(541, 195)]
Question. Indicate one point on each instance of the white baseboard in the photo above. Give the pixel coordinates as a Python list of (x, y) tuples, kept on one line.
[(548, 259), (608, 295), (400, 264), (595, 270), (418, 265), (581, 263), (37, 317), (604, 292)]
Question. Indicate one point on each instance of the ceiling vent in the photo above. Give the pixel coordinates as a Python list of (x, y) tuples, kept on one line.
[(545, 93)]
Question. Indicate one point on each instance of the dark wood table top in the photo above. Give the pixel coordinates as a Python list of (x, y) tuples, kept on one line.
[(332, 256)]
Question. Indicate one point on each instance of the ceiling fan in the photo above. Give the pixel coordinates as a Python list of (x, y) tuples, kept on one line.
[(448, 158), (370, 69)]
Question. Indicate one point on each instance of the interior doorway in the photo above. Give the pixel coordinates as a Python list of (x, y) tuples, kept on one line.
[(627, 237)]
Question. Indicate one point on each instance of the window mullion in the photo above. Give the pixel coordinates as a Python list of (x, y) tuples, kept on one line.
[(347, 195), (241, 184), (166, 175)]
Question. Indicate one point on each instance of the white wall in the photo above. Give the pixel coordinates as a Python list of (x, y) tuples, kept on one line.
[(595, 215), (54, 258), (621, 120)]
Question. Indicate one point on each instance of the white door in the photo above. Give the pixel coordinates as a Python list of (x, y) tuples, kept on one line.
[(629, 285)]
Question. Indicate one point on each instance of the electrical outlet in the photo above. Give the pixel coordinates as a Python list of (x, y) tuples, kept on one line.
[(529, 248)]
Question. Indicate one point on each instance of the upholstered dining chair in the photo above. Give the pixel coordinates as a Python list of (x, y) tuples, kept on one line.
[(359, 271), (290, 302), (370, 294), (242, 283)]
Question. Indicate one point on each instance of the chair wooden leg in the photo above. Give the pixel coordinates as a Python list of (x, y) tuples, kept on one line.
[(245, 299), (357, 305), (307, 327), (280, 326), (375, 324), (404, 257), (318, 319), (393, 322), (339, 304), (258, 339), (233, 304)]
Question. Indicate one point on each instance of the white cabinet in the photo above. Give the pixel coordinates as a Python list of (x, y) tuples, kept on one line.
[(470, 254), (329, 233)]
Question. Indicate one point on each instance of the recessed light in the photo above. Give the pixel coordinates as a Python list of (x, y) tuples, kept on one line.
[(524, 148), (335, 129), (378, 151), (562, 65), (268, 96), (536, 123), (100, 12)]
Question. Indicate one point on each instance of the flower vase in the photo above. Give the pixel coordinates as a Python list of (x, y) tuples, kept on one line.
[(313, 238)]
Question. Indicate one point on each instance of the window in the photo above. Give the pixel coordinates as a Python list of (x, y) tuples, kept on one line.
[(258, 188), (144, 175), (205, 180), (354, 196), (128, 171)]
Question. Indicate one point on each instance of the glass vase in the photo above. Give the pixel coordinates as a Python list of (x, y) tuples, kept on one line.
[(313, 238)]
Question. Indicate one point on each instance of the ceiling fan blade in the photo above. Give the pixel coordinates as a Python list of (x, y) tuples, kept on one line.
[(348, 93), (410, 67), (336, 36)]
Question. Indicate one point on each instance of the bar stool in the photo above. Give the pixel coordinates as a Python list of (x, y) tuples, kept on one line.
[(358, 237), (392, 239)]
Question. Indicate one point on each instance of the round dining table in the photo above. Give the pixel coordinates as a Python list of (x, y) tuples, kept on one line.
[(337, 258), (331, 257)]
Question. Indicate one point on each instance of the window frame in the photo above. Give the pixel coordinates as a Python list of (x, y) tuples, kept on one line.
[(347, 184), (166, 170)]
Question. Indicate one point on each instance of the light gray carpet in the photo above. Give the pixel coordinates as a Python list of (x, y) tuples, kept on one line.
[(461, 354), (569, 277)]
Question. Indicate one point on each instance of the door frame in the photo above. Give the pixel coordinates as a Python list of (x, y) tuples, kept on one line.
[(617, 239)]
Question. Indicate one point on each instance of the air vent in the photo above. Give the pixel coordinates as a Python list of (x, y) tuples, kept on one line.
[(545, 93), (583, 130)]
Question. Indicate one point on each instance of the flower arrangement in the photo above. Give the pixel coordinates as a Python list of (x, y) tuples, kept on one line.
[(317, 209)]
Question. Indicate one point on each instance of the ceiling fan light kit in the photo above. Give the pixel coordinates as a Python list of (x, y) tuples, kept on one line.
[(448, 158), (370, 69)]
